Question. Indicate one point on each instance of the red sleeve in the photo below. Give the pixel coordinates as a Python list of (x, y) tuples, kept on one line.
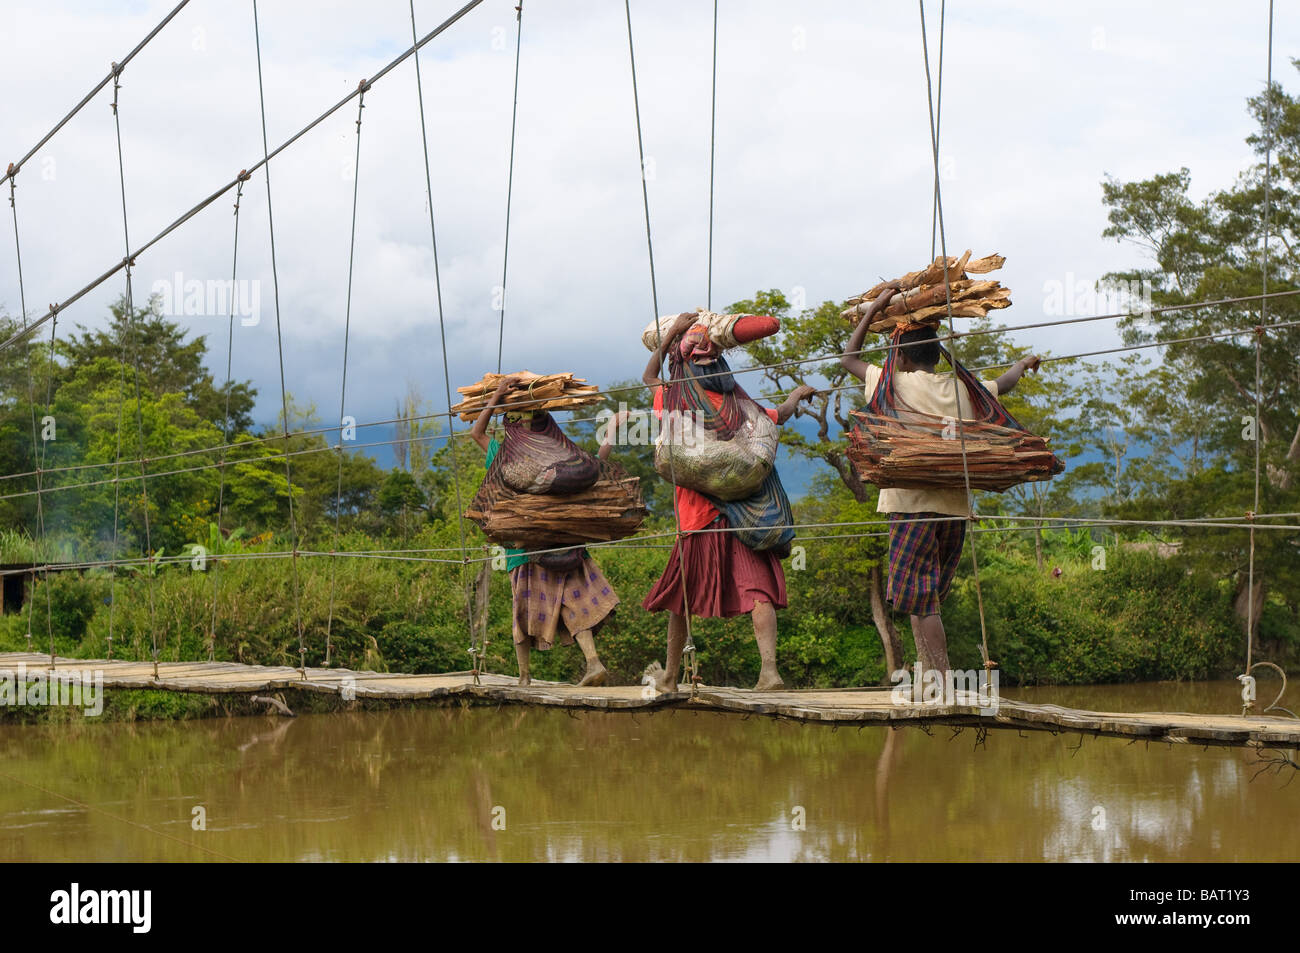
[(659, 400), (751, 327), (771, 412)]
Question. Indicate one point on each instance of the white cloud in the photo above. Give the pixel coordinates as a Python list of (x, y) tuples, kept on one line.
[(823, 162)]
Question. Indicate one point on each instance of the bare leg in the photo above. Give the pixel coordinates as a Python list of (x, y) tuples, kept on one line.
[(596, 672), (522, 652), (931, 642), (764, 616), (667, 680)]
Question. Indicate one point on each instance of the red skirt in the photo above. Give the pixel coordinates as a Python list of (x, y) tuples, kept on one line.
[(724, 577)]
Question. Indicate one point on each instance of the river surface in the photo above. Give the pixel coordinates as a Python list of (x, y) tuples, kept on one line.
[(522, 784)]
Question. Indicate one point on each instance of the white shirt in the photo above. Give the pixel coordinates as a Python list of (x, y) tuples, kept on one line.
[(930, 394)]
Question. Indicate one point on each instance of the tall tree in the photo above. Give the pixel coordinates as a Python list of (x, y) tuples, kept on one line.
[(1208, 250)]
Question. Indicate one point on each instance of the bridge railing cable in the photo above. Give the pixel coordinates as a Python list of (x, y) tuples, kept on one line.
[(114, 71), (266, 157)]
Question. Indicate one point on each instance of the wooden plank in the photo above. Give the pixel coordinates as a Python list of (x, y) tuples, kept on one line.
[(862, 706)]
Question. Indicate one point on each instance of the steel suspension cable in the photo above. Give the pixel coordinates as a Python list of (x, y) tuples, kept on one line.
[(510, 182), (38, 456), (958, 384), (1257, 429), (15, 167), (266, 158), (279, 344), (343, 385), (477, 649), (713, 143), (137, 340), (938, 118), (692, 664), (221, 464)]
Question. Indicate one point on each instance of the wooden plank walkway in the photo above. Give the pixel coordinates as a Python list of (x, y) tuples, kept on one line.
[(863, 706)]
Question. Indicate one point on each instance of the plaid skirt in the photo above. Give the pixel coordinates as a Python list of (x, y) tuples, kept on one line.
[(550, 604), (923, 559)]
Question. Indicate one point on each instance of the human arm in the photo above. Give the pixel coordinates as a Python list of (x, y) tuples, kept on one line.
[(1010, 378), (850, 360), (611, 429), (479, 430), (786, 410), (683, 324)]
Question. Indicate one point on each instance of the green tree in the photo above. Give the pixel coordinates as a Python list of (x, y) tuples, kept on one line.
[(1208, 250)]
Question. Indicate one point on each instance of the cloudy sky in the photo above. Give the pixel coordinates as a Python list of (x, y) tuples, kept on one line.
[(824, 170)]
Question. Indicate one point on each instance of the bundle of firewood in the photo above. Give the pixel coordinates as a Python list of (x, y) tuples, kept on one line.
[(531, 392), (923, 297), (890, 453), (610, 509)]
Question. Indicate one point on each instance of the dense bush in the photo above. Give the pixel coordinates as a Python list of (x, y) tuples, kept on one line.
[(1141, 618)]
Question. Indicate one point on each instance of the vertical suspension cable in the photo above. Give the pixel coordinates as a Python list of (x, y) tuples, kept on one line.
[(37, 456), (279, 344), (510, 178), (343, 386), (938, 118), (1259, 333), (478, 651), (45, 453), (150, 567), (989, 664), (244, 176), (713, 140), (692, 664)]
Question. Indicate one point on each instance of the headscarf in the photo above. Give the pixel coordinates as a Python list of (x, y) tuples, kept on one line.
[(687, 388)]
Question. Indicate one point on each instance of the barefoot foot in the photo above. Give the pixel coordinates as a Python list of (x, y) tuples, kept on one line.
[(596, 675), (769, 682), (661, 679), (525, 680)]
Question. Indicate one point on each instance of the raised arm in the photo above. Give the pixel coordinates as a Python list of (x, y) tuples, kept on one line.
[(479, 430), (683, 324), (611, 429), (786, 410), (1012, 377), (850, 360)]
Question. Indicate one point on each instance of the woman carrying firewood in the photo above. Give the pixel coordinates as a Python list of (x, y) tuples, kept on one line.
[(560, 594), (927, 526), (728, 557)]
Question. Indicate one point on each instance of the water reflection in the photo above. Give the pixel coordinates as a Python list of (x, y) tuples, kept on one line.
[(439, 784)]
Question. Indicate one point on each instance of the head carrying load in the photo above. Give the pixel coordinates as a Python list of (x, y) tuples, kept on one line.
[(532, 392), (541, 489), (922, 298), (715, 439), (895, 446)]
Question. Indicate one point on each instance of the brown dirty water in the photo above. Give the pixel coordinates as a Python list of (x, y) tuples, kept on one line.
[(522, 784)]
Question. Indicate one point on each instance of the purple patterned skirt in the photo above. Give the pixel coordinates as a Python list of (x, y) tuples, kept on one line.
[(548, 603)]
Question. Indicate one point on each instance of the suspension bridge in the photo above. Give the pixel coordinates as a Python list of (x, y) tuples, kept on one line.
[(966, 708), (835, 707)]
